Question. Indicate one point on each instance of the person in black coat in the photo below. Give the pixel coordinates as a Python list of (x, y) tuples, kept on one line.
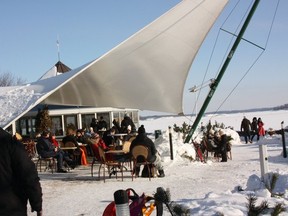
[(46, 149), (254, 129), (222, 141), (246, 128), (19, 181), (125, 123), (153, 155), (102, 124), (94, 124)]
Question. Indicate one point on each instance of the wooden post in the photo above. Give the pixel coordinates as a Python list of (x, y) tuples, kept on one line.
[(283, 140), (171, 144)]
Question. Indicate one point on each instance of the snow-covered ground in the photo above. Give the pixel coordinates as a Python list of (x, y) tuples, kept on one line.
[(205, 188)]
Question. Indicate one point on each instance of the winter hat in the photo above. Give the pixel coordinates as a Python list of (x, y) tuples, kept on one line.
[(141, 130)]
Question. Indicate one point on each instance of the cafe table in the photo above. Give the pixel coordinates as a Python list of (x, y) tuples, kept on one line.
[(69, 148), (118, 139), (118, 156)]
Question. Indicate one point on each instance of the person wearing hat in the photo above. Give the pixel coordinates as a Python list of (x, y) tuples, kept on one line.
[(153, 156)]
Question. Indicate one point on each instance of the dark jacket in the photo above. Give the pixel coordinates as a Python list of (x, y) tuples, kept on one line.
[(45, 147), (70, 138), (245, 125), (102, 124), (124, 125), (19, 181), (254, 126), (142, 139)]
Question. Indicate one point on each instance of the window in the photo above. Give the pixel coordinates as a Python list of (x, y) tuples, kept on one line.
[(86, 120), (57, 125), (26, 126), (106, 117)]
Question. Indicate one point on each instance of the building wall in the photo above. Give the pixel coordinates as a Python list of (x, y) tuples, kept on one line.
[(79, 117)]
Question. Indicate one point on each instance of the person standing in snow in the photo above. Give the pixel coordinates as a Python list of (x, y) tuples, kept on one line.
[(254, 129), (245, 128), (222, 143), (19, 181), (261, 130), (153, 156)]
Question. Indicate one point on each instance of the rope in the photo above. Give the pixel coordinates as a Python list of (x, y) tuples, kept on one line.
[(249, 69), (212, 53)]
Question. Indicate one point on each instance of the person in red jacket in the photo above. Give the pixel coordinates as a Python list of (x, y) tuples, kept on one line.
[(19, 181), (97, 142), (261, 130)]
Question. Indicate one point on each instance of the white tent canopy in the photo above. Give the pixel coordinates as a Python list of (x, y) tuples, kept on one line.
[(147, 71)]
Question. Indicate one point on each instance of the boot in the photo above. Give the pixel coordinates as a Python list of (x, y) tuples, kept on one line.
[(161, 173), (136, 171)]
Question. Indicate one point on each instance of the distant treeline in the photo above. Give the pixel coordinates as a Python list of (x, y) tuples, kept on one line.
[(281, 107)]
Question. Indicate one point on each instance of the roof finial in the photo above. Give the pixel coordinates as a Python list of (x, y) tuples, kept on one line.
[(58, 47)]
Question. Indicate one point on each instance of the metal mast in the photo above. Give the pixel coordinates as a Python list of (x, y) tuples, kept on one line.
[(214, 85)]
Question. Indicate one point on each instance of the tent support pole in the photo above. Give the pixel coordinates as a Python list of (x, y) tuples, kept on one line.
[(214, 85)]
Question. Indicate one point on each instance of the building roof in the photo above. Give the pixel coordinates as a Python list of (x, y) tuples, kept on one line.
[(62, 68)]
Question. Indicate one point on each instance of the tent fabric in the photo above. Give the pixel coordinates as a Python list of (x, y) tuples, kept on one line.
[(147, 71)]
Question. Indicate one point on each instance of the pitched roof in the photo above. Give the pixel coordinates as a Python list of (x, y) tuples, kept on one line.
[(62, 68)]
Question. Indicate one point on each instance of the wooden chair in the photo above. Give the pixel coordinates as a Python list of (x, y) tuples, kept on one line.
[(127, 158), (126, 146), (109, 163), (49, 163), (139, 157), (73, 152), (131, 139), (95, 159)]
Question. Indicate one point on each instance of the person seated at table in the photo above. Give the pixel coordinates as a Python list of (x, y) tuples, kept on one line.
[(94, 124), (46, 149), (108, 137), (53, 140), (71, 137), (102, 124), (116, 125), (81, 138), (153, 155), (97, 142), (129, 134), (89, 132)]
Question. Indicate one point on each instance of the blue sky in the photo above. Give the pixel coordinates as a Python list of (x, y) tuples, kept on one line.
[(88, 29)]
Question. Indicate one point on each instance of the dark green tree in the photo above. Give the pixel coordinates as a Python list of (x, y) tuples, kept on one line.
[(43, 120)]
